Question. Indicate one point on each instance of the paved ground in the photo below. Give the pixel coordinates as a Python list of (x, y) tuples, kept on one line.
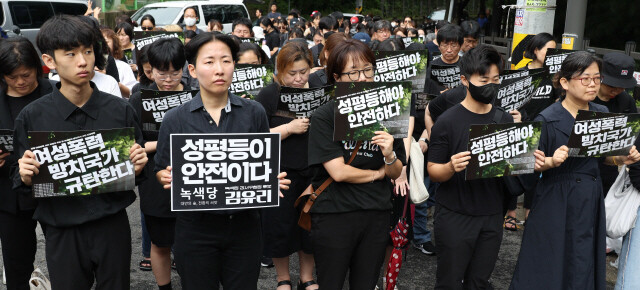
[(418, 272)]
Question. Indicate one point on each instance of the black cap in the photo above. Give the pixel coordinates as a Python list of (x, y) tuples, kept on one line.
[(617, 70)]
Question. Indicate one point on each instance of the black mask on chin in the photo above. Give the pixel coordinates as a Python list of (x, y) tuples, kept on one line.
[(484, 94)]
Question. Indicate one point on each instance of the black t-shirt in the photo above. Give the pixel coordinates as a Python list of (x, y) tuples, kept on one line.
[(431, 86), (318, 79), (450, 136), (273, 39), (622, 103), (294, 148), (446, 101), (16, 104), (342, 196)]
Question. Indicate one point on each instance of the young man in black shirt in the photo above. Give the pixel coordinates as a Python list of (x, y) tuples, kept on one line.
[(468, 219), (87, 237)]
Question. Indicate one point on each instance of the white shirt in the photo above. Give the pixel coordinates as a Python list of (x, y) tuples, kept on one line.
[(126, 74), (103, 82)]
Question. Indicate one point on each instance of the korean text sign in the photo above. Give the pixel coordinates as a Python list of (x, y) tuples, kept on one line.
[(554, 58), (502, 149), (224, 171), (514, 93), (447, 76), (302, 102), (597, 134), (361, 108), (249, 79), (82, 162), (6, 140), (397, 66), (144, 38), (155, 105)]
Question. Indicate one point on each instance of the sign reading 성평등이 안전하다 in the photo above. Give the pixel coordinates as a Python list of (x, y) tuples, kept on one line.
[(598, 134), (502, 149), (224, 171), (82, 162)]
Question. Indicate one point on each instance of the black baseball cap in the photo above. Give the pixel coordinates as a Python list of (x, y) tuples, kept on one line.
[(617, 70)]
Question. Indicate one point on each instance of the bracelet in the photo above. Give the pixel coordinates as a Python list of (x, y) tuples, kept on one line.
[(614, 161), (395, 158)]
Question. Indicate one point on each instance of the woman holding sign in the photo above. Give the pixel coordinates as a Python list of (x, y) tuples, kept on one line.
[(350, 219), (164, 56), (564, 242), (222, 246), (283, 236)]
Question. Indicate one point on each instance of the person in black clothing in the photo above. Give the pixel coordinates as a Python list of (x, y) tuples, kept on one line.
[(164, 55), (319, 77), (283, 236), (468, 218), (350, 219), (271, 35), (617, 73), (450, 40), (471, 34), (87, 237), (20, 84), (214, 247)]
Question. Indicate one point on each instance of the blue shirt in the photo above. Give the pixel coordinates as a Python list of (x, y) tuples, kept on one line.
[(238, 116)]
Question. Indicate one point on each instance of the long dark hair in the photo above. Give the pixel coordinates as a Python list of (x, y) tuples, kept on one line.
[(17, 52)]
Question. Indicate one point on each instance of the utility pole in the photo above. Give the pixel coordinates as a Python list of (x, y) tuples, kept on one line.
[(532, 17), (573, 35)]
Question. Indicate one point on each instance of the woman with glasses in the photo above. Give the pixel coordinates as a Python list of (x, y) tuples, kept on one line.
[(350, 219), (283, 236), (563, 246), (147, 23), (166, 57)]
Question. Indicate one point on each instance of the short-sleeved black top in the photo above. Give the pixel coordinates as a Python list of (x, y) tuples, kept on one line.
[(273, 39), (341, 196), (450, 136), (446, 101), (431, 86)]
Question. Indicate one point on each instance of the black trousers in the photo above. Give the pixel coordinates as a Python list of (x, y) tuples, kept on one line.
[(213, 249), (18, 236), (99, 250), (353, 242), (467, 249)]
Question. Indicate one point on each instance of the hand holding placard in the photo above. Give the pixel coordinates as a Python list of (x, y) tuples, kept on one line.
[(29, 167), (560, 156), (460, 161)]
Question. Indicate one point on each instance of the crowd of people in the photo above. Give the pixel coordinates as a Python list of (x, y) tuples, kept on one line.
[(96, 86)]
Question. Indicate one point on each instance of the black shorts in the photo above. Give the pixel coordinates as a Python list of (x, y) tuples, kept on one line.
[(161, 230)]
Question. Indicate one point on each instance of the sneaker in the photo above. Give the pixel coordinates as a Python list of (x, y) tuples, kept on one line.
[(266, 262), (427, 248)]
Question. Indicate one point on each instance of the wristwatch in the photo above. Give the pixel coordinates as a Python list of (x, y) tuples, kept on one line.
[(392, 161), (423, 139)]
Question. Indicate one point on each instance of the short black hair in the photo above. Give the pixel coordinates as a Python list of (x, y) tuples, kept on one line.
[(266, 22), (100, 47), (478, 60), (575, 64), (441, 23), (450, 33), (537, 42), (165, 53), (294, 14), (470, 28), (242, 21), (328, 23), (148, 17), (192, 8), (65, 32), (296, 32), (16, 52), (381, 24), (248, 46), (126, 28), (190, 34), (390, 44), (193, 47)]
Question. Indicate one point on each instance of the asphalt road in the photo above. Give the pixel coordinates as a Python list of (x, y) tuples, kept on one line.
[(418, 271)]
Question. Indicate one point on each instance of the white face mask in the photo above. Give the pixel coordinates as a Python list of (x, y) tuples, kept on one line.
[(190, 21)]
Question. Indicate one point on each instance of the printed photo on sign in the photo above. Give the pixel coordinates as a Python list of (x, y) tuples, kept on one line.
[(502, 149), (249, 79), (409, 40), (398, 66), (6, 140), (128, 56), (363, 108), (155, 105), (82, 162), (144, 38), (422, 100), (447, 76), (597, 134), (517, 92), (301, 102), (554, 58), (224, 171)]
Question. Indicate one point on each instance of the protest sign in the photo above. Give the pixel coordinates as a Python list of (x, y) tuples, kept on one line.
[(397, 66), (144, 38), (255, 40), (502, 149), (597, 134), (422, 100), (514, 93), (302, 102), (447, 76), (82, 162), (409, 40), (155, 105), (514, 74), (362, 108), (249, 79), (554, 58), (6, 140), (128, 56), (224, 171)]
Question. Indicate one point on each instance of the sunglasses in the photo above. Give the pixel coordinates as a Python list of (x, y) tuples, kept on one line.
[(146, 28)]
